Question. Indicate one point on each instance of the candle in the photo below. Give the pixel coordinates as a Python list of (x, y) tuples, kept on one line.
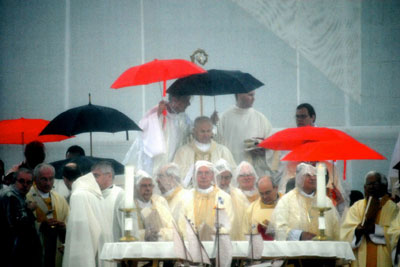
[(129, 171), (321, 185), (128, 224), (321, 223)]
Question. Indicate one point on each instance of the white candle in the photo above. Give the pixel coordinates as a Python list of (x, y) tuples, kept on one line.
[(321, 223), (128, 224), (129, 172), (321, 185)]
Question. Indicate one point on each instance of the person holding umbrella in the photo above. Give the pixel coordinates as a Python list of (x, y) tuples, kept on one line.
[(241, 128), (160, 138)]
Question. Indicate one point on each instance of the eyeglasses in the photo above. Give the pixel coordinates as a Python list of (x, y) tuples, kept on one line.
[(22, 181), (301, 116)]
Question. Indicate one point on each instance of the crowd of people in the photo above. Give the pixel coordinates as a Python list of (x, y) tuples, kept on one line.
[(189, 174)]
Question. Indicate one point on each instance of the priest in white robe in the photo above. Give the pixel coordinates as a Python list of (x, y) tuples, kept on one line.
[(294, 217), (240, 128), (201, 148), (202, 201), (161, 136), (113, 196), (239, 200), (87, 227), (155, 220), (169, 183), (245, 178)]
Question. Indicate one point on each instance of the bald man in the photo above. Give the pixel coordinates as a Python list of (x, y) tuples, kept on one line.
[(258, 214)]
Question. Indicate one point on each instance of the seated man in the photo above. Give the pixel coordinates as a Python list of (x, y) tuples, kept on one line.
[(201, 148), (154, 217), (366, 228), (245, 178), (201, 201), (239, 200), (258, 214), (294, 217), (169, 183)]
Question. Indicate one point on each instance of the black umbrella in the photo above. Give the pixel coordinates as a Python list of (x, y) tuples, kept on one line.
[(215, 82), (85, 163), (90, 118)]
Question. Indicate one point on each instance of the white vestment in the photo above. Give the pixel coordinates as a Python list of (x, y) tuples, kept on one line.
[(175, 201), (195, 208), (114, 200), (295, 212), (188, 154), (163, 222), (239, 203), (237, 125), (157, 144), (87, 228)]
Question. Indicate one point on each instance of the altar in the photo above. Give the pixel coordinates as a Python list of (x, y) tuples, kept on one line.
[(138, 251)]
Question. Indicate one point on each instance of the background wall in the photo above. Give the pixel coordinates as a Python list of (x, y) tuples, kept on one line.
[(341, 56)]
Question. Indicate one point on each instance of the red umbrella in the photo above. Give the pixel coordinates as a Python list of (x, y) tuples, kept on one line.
[(156, 71), (332, 150), (290, 138), (23, 131), (349, 149)]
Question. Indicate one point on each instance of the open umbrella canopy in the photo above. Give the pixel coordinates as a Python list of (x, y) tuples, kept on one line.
[(156, 71), (291, 138), (85, 163), (23, 131), (215, 82), (89, 118), (332, 150)]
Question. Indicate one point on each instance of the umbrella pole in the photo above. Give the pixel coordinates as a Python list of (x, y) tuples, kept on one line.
[(201, 105), (215, 104), (91, 152)]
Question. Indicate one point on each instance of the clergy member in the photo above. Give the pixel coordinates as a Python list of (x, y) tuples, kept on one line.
[(51, 213), (88, 227), (201, 203), (258, 214), (240, 128), (169, 183), (155, 219), (113, 196), (294, 217), (161, 136), (239, 200), (366, 228), (245, 179), (201, 148)]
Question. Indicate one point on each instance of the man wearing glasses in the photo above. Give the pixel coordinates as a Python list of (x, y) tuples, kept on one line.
[(19, 245)]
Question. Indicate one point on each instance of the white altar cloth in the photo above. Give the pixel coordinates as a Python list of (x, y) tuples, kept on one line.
[(272, 249)]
